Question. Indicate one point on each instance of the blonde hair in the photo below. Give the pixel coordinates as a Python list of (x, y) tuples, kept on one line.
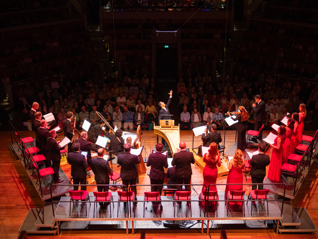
[(213, 152), (244, 114), (303, 107), (238, 158)]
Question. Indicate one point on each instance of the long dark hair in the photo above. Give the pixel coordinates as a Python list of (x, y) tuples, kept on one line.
[(291, 123), (295, 116)]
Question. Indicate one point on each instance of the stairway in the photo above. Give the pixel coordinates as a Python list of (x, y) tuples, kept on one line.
[(234, 45), (107, 65)]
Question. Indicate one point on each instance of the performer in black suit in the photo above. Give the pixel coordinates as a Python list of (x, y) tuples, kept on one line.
[(183, 161), (259, 113), (78, 166), (43, 134), (259, 163), (68, 131), (54, 155), (85, 145), (128, 171), (101, 170), (164, 108), (158, 162), (35, 125), (116, 142), (35, 107), (211, 137)]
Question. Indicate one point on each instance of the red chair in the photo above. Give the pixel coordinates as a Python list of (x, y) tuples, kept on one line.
[(211, 199), (125, 197), (259, 195), (27, 141), (152, 197), (103, 197), (295, 158), (247, 167), (63, 152), (180, 196), (301, 148), (42, 174), (235, 197), (254, 133), (307, 138), (77, 195)]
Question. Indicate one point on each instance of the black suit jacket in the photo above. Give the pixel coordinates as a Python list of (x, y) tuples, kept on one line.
[(86, 147), (116, 143), (32, 113), (157, 161), (54, 149), (212, 137), (183, 161), (128, 163), (101, 169), (259, 163), (78, 164), (68, 131), (35, 125), (171, 174), (162, 112), (43, 134), (259, 111)]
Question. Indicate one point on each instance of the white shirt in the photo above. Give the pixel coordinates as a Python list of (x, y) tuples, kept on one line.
[(196, 118), (206, 115)]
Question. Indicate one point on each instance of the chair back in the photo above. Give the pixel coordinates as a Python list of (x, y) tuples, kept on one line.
[(102, 196), (260, 130), (210, 195), (182, 195), (237, 194), (125, 195), (76, 193), (149, 196), (261, 194)]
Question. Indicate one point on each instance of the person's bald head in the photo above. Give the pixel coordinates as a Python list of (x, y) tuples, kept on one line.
[(43, 123), (35, 105), (182, 145), (127, 147), (100, 152)]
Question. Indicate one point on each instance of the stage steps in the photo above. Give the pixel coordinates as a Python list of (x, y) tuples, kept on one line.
[(31, 225), (45, 218), (290, 217)]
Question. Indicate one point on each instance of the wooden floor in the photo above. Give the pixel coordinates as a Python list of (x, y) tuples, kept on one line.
[(18, 196)]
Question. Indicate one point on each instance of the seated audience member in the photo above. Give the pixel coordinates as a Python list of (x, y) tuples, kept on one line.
[(83, 115), (158, 162), (107, 115), (273, 117), (207, 116), (183, 160), (211, 136), (140, 105), (196, 118), (117, 117), (121, 99), (131, 108), (139, 117), (151, 120), (128, 118), (269, 107), (259, 163), (78, 166), (185, 119), (283, 114), (150, 107), (93, 116), (218, 118)]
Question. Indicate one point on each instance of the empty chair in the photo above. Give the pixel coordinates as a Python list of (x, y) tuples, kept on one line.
[(259, 195), (153, 197), (211, 198), (102, 198), (77, 195), (125, 197), (180, 196), (254, 133), (235, 197)]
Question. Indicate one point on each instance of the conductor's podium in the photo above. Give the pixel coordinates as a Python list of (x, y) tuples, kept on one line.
[(170, 133)]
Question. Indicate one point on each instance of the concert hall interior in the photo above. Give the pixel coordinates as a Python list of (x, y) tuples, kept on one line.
[(158, 119)]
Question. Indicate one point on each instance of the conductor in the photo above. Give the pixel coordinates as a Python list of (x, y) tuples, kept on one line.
[(164, 111)]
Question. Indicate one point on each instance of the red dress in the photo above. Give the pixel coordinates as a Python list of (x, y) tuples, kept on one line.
[(295, 136), (301, 126), (288, 147), (276, 163), (210, 173), (235, 176)]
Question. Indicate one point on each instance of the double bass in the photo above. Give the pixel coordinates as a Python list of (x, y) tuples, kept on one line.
[(141, 167)]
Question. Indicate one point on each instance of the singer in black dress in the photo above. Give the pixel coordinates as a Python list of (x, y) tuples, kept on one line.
[(241, 126)]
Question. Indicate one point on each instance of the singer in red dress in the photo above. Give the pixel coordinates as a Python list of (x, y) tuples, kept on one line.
[(295, 117), (302, 116), (210, 171), (235, 174), (277, 155), (287, 145)]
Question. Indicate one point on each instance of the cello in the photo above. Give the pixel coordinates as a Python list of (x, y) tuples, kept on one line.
[(141, 167)]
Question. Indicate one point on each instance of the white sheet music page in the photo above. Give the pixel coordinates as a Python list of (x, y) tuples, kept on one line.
[(270, 138), (64, 142), (285, 120), (251, 154), (230, 121), (136, 152), (84, 153), (169, 160), (101, 141), (115, 129), (165, 153), (275, 126), (49, 117), (86, 125), (57, 128), (204, 150), (199, 130)]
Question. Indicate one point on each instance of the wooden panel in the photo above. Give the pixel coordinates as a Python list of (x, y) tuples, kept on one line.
[(171, 135)]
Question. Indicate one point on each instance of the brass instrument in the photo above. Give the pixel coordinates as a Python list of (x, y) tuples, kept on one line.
[(105, 122)]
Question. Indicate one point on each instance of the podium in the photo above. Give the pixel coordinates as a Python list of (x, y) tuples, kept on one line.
[(170, 133)]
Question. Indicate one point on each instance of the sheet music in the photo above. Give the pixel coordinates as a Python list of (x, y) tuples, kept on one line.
[(84, 153), (165, 153), (199, 130), (230, 121), (275, 127), (169, 160), (106, 157), (136, 152), (86, 125), (204, 150), (102, 141), (285, 120), (64, 142), (115, 129), (49, 117), (250, 154), (57, 128), (270, 138), (131, 135)]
